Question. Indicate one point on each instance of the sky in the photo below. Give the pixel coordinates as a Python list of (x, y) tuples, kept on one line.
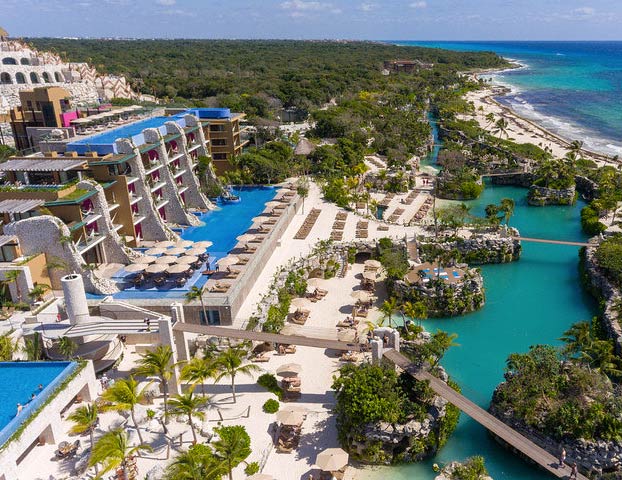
[(317, 19)]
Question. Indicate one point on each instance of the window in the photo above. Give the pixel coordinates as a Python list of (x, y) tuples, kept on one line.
[(219, 142), (34, 78), (46, 77), (25, 61), (217, 128), (58, 77), (5, 78), (219, 156), (213, 317), (20, 77), (9, 61)]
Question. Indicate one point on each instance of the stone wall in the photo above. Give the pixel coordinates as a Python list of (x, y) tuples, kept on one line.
[(518, 180), (586, 187), (542, 196)]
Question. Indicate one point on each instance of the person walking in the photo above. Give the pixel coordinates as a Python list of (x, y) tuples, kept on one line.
[(574, 472), (562, 458)]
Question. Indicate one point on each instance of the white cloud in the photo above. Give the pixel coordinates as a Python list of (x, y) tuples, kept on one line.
[(300, 8), (168, 3), (418, 5), (368, 7), (584, 12)]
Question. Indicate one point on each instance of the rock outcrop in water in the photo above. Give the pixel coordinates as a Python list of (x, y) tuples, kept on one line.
[(542, 196)]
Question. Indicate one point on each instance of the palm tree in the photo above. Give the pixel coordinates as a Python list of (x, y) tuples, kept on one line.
[(113, 450), (507, 207), (229, 364), (197, 371), (576, 147), (67, 347), (414, 311), (233, 446), (12, 276), (441, 342), (85, 418), (125, 395), (187, 404), (197, 463), (38, 291), (33, 347), (159, 363), (388, 308), (490, 118), (578, 338), (196, 293), (501, 127)]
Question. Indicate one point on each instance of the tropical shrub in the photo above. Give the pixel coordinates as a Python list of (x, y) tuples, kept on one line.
[(271, 406), (270, 383)]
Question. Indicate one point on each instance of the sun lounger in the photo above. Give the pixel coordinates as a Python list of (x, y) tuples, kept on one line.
[(261, 358)]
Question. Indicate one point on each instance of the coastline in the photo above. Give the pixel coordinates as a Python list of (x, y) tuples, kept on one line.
[(521, 129)]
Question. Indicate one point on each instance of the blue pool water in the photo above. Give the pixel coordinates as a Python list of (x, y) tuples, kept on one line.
[(571, 88), (18, 381), (122, 132), (221, 226)]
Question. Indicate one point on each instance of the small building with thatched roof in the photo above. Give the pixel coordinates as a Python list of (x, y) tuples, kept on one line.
[(305, 147)]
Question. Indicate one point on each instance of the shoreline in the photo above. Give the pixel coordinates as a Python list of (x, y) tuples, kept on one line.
[(534, 132)]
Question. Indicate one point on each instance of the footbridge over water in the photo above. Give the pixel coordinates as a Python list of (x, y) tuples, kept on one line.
[(488, 421), (555, 242)]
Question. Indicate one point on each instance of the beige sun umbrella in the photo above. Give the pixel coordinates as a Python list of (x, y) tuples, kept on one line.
[(289, 417), (175, 251), (194, 251), (145, 260), (260, 476), (184, 244), (187, 260), (135, 267), (247, 237), (272, 204), (165, 244), (260, 219), (227, 261), (166, 260), (361, 296), (369, 275), (316, 282), (177, 268), (155, 251), (289, 370), (299, 303), (203, 244), (156, 268), (373, 263), (332, 459)]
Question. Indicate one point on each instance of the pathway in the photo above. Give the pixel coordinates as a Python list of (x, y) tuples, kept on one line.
[(555, 242)]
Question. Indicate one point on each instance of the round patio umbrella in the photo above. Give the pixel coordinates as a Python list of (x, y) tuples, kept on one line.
[(187, 260), (247, 237), (194, 251), (361, 295), (289, 370), (299, 303), (316, 282), (289, 417), (175, 251), (373, 263), (155, 251), (369, 275), (260, 476), (203, 244), (227, 261), (272, 204), (165, 244), (145, 260), (332, 459), (135, 267), (184, 244), (166, 260), (177, 268), (260, 219), (157, 268)]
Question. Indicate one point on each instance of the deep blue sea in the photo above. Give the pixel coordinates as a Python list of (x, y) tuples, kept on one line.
[(571, 88)]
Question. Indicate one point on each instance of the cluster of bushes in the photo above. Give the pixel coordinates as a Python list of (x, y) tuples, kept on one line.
[(270, 383), (271, 163), (394, 259), (590, 221), (277, 313), (609, 257)]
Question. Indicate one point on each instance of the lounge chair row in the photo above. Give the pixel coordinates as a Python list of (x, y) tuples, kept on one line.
[(308, 224)]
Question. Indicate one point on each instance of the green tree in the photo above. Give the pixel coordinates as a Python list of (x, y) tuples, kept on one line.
[(158, 363), (85, 418), (507, 207), (33, 347), (198, 370), (439, 344), (7, 347), (196, 293), (501, 127), (417, 311), (388, 308), (125, 395), (67, 347), (231, 363), (113, 450), (38, 291), (189, 406), (196, 463), (233, 446), (12, 276)]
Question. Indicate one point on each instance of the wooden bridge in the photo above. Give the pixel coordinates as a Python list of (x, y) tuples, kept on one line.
[(555, 242), (481, 416), (518, 172)]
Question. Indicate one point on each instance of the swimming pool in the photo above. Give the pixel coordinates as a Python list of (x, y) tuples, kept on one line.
[(18, 381), (221, 226)]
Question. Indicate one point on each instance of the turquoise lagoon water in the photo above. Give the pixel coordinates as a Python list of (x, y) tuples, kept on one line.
[(18, 381), (571, 88), (221, 226), (528, 302)]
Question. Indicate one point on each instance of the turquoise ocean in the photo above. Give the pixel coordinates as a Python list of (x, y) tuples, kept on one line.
[(573, 89), (576, 90)]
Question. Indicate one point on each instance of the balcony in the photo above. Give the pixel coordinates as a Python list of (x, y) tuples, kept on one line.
[(137, 218), (86, 243), (172, 156), (194, 147), (156, 186), (182, 189), (91, 218), (117, 227), (159, 203), (135, 198), (179, 172), (153, 167), (131, 180), (112, 207)]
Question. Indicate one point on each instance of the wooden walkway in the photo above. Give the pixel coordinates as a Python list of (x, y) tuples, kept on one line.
[(481, 416), (555, 242), (496, 426)]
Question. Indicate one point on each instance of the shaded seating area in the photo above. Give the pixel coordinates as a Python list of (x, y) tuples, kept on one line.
[(67, 450), (290, 380)]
